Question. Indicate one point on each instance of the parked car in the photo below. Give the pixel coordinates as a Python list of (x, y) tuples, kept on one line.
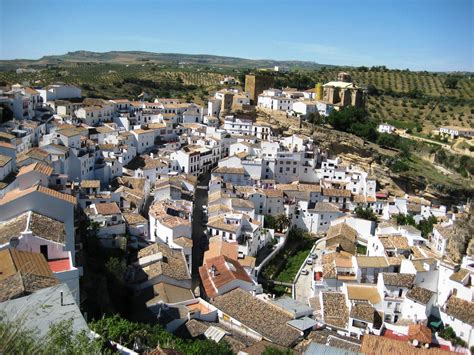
[(304, 272), (309, 262)]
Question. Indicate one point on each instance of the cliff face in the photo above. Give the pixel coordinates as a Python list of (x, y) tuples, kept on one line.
[(462, 239), (371, 156)]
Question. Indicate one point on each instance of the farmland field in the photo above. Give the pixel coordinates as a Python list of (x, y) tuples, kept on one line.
[(412, 100), (418, 101)]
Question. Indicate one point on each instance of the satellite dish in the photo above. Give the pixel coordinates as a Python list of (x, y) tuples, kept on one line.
[(14, 242)]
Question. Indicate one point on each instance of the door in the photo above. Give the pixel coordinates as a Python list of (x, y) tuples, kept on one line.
[(44, 251)]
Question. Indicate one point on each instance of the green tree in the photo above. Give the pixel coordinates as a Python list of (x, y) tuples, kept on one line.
[(451, 82), (148, 336), (365, 213), (426, 226), (116, 267), (314, 118), (353, 120), (60, 339), (271, 350), (269, 222), (403, 220), (282, 222)]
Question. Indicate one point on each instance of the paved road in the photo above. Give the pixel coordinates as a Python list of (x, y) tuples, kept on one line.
[(303, 286), (198, 227), (303, 289)]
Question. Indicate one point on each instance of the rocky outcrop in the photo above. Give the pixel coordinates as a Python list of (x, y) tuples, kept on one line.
[(461, 241)]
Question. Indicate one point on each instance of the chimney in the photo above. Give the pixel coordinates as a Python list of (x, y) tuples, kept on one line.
[(212, 270)]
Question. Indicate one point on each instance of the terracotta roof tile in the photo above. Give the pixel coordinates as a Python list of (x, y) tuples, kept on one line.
[(226, 271), (39, 167), (258, 315), (335, 311), (107, 208), (460, 309), (420, 295)]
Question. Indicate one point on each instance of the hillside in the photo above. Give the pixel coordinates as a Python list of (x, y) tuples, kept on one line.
[(139, 57), (419, 101)]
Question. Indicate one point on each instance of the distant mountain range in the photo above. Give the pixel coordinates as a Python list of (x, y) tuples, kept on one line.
[(138, 57)]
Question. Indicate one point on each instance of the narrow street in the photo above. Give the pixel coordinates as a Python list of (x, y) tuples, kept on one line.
[(198, 226)]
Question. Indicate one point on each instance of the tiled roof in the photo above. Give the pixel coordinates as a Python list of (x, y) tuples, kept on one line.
[(394, 242), (41, 226), (374, 344), (39, 167), (226, 271), (460, 275), (272, 193), (395, 260), (71, 132), (365, 312), (167, 293), (342, 229), (323, 207), (446, 231), (173, 263), (335, 311), (47, 228), (184, 242), (21, 284), (12, 261), (363, 293), (90, 184), (371, 261), (420, 295), (56, 194), (13, 228), (218, 222), (6, 145), (4, 160), (419, 332), (220, 247), (336, 193), (460, 309), (228, 170), (398, 279), (258, 315), (241, 203), (309, 187), (107, 208), (134, 218)]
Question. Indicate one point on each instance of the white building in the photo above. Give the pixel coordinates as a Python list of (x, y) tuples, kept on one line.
[(170, 223), (385, 128), (239, 126), (57, 92), (455, 131)]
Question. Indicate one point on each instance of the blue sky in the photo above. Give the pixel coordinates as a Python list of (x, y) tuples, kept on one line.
[(417, 34)]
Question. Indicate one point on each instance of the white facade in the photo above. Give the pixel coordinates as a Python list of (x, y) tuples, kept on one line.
[(385, 128), (57, 92)]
